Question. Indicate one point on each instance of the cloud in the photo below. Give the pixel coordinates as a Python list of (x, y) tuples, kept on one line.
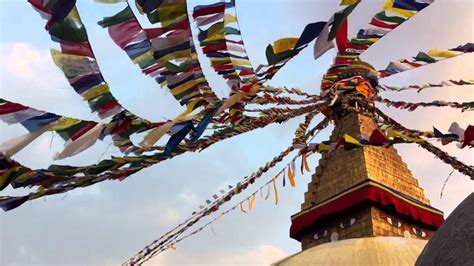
[(188, 197), (30, 77), (169, 216), (21, 60)]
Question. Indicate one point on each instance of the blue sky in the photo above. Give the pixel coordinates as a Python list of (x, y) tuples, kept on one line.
[(108, 222)]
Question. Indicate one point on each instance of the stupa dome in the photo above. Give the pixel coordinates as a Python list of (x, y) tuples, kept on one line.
[(360, 251)]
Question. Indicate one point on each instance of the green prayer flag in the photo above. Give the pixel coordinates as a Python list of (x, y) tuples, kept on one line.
[(339, 18), (273, 58), (361, 42), (392, 19), (100, 101), (118, 18), (66, 133), (424, 57), (68, 31), (231, 31), (351, 143)]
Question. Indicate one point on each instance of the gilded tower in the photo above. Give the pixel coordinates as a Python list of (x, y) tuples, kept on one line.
[(339, 203), (364, 203)]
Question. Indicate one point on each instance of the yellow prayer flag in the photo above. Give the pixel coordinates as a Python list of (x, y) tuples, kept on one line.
[(143, 57), (174, 56), (139, 8), (74, 65), (228, 18), (240, 62), (242, 208), (251, 200), (41, 192), (304, 158), (4, 178), (172, 13), (219, 60), (352, 140), (96, 91), (442, 53), (64, 123), (191, 104), (393, 133), (186, 86), (348, 2), (275, 189), (74, 15), (323, 147), (215, 29), (156, 133), (388, 6), (283, 45), (214, 37), (291, 177)]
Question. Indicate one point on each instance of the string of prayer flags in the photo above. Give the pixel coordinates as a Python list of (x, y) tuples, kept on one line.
[(142, 257), (376, 138), (179, 69), (464, 106), (267, 98), (443, 156), (151, 251), (37, 122), (160, 244), (422, 87), (299, 140), (456, 133), (221, 41), (78, 134), (53, 11), (422, 59), (65, 178), (155, 53), (76, 58), (392, 15), (319, 30), (280, 90), (466, 48), (79, 65)]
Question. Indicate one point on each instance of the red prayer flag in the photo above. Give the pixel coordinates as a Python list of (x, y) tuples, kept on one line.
[(9, 107), (341, 37), (468, 136), (378, 138), (77, 48), (208, 10), (124, 32), (382, 24)]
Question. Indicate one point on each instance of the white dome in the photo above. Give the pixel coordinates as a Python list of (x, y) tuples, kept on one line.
[(360, 251)]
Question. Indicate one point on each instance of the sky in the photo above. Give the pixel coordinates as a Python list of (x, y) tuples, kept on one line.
[(107, 223)]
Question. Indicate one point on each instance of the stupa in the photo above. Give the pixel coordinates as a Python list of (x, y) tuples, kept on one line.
[(362, 206)]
